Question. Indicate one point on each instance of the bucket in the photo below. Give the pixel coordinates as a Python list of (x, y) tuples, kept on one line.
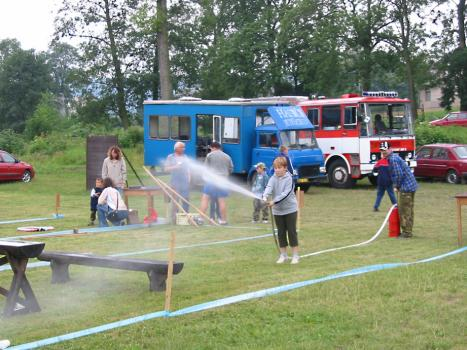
[(394, 223), (183, 219)]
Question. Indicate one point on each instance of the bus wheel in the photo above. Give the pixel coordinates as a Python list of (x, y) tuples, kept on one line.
[(373, 179), (339, 176)]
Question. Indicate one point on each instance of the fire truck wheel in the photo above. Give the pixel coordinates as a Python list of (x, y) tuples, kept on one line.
[(339, 176)]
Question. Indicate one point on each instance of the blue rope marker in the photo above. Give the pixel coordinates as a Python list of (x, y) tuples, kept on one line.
[(227, 301), (53, 217)]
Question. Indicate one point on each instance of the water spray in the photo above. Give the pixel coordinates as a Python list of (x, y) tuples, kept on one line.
[(209, 176)]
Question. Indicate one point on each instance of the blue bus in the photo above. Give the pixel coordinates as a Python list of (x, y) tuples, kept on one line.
[(250, 131)]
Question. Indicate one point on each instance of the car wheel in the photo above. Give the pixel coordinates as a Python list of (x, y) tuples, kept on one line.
[(452, 177), (339, 176), (26, 176)]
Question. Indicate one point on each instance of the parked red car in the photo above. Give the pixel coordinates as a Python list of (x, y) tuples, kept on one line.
[(453, 118), (447, 161), (14, 169)]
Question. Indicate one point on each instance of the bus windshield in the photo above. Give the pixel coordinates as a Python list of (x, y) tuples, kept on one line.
[(389, 119), (299, 139)]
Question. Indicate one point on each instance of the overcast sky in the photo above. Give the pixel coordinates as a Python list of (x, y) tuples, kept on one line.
[(29, 21)]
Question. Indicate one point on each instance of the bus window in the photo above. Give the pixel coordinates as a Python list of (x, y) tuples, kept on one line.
[(331, 117), (313, 117), (180, 128), (263, 117), (231, 128), (268, 140), (159, 127), (350, 117)]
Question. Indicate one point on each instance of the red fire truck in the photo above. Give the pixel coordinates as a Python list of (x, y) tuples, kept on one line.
[(350, 129)]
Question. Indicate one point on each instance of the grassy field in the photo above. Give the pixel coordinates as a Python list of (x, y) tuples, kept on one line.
[(419, 307)]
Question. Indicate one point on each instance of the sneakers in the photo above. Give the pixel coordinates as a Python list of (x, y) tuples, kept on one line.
[(375, 209), (282, 259), (295, 259), (265, 222), (222, 222), (254, 221), (91, 223)]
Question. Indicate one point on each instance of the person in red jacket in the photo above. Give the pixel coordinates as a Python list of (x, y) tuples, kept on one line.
[(384, 179)]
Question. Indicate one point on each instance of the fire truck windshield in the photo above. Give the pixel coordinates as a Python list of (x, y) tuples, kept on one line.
[(299, 139), (389, 119)]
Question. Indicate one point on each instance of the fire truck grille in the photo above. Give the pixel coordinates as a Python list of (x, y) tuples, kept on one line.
[(309, 171)]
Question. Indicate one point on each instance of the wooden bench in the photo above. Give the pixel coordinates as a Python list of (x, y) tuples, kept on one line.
[(156, 270)]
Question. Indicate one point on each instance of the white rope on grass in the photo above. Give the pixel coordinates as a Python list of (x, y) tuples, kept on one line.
[(357, 244)]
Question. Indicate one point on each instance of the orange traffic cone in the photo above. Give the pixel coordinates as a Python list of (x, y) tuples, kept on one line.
[(394, 224)]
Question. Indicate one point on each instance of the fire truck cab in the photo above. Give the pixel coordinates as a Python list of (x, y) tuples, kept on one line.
[(350, 129)]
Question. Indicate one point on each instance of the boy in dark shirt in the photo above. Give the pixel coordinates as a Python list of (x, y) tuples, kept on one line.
[(95, 193)]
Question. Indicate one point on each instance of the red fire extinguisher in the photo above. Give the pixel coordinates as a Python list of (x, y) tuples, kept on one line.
[(394, 223)]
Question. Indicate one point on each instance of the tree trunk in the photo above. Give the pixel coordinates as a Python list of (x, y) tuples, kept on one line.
[(163, 50), (367, 42), (461, 8), (118, 78), (155, 75), (411, 86)]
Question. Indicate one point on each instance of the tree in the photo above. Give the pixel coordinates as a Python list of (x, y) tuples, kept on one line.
[(45, 118), (68, 76), (407, 38), (453, 66), (102, 26), (8, 47), (369, 21), (24, 77)]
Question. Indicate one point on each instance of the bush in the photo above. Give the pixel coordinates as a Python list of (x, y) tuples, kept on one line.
[(45, 118), (47, 145), (131, 137), (426, 134), (11, 142)]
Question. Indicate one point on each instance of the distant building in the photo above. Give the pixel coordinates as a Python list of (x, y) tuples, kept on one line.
[(430, 97)]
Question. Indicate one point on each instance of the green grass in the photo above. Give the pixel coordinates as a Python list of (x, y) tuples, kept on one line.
[(417, 307)]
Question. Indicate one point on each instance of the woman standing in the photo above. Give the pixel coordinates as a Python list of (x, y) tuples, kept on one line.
[(114, 167)]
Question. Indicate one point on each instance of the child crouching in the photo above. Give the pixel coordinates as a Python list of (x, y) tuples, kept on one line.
[(284, 208)]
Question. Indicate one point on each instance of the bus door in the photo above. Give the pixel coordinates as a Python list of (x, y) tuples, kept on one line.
[(208, 129), (216, 128)]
